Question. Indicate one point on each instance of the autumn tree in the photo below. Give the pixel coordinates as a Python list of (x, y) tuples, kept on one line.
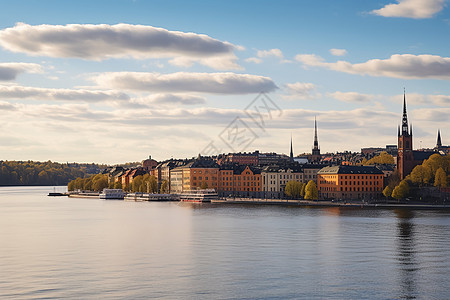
[(382, 159), (440, 180), (293, 189), (401, 190), (204, 185), (311, 192), (387, 192), (302, 191), (164, 187)]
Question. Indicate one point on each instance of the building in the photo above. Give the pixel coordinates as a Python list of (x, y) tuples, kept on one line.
[(275, 178), (149, 163), (350, 182), (239, 158), (196, 174), (407, 159), (310, 171), (240, 181)]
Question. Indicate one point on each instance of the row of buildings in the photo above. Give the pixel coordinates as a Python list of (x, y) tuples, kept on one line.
[(265, 175)]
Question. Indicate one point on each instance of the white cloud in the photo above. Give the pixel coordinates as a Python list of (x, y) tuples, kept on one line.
[(270, 53), (169, 99), (6, 106), (254, 60), (300, 90), (420, 99), (351, 97), (23, 92), (406, 66), (9, 71), (416, 9), (98, 42), (217, 83), (338, 52)]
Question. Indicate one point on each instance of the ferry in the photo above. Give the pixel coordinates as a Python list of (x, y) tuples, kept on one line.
[(150, 197), (199, 196), (112, 194)]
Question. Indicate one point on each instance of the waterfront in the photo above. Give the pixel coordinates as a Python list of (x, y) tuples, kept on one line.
[(59, 247)]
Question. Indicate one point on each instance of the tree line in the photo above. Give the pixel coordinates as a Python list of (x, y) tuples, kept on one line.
[(38, 173)]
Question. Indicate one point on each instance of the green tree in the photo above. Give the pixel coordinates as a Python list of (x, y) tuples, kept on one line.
[(302, 191), (164, 187), (387, 192), (311, 192), (136, 184), (99, 182), (440, 180), (293, 189), (401, 190)]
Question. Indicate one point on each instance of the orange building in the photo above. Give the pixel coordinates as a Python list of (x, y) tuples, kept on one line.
[(350, 182), (240, 181)]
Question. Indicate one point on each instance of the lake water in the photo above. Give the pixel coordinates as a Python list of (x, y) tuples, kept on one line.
[(59, 247)]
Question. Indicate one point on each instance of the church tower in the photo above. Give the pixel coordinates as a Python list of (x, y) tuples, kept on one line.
[(439, 142), (291, 156), (405, 159), (315, 157)]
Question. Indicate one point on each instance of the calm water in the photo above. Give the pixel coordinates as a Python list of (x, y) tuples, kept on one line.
[(59, 247)]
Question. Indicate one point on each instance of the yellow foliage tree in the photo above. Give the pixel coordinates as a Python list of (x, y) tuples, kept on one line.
[(440, 180), (311, 192), (293, 189), (381, 159)]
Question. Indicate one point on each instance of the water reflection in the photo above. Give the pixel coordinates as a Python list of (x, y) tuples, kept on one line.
[(406, 256)]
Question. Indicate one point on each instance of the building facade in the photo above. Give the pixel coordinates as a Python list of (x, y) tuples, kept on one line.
[(350, 182)]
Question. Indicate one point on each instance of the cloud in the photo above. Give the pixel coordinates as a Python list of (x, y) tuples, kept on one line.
[(352, 97), (420, 99), (7, 106), (22, 92), (9, 71), (103, 41), (407, 66), (254, 60), (216, 83), (416, 9), (169, 99), (338, 52), (300, 90), (270, 53)]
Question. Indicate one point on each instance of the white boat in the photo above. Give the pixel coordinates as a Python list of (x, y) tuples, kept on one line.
[(112, 194), (205, 195), (150, 197)]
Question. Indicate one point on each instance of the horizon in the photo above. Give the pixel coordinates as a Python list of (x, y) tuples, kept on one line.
[(110, 83)]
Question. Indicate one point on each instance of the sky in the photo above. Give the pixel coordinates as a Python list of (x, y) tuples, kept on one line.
[(118, 81)]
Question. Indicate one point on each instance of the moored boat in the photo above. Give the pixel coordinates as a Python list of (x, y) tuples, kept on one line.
[(199, 196), (112, 194)]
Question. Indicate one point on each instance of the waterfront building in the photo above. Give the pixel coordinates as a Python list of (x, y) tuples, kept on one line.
[(310, 171), (176, 180), (350, 182), (275, 178), (200, 173), (149, 164), (240, 181)]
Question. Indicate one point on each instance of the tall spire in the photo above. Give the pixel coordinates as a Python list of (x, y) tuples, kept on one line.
[(405, 116), (291, 156), (439, 142), (316, 141)]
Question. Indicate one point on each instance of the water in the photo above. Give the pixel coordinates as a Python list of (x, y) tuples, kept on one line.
[(59, 247)]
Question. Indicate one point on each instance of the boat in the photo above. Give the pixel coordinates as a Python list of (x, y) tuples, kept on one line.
[(199, 196), (112, 194), (150, 197)]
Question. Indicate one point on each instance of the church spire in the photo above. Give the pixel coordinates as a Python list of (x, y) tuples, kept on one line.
[(405, 116), (316, 141), (439, 142), (291, 156)]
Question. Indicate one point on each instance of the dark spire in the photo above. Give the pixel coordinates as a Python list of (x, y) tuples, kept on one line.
[(410, 129), (398, 130), (316, 141), (405, 116), (439, 142), (292, 151)]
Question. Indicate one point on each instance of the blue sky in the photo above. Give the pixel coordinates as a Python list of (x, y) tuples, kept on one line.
[(174, 75)]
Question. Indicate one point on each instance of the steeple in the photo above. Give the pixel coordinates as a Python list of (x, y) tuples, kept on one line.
[(405, 116), (439, 142), (316, 141), (398, 130), (291, 156)]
